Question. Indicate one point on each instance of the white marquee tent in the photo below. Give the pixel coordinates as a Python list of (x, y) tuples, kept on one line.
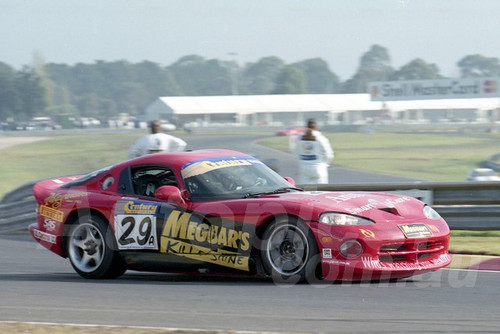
[(251, 109)]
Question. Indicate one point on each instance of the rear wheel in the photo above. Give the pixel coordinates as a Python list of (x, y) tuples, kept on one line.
[(289, 252), (92, 249)]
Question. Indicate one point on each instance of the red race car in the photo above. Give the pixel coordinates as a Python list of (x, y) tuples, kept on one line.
[(224, 212), (293, 131)]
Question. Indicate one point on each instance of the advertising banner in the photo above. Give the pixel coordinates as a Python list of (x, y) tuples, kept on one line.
[(434, 89)]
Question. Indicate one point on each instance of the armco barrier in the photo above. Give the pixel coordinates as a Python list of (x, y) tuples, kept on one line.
[(23, 192), (442, 193), (17, 209), (464, 205)]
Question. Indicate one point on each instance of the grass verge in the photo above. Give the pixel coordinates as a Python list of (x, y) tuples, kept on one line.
[(62, 155), (475, 242), (41, 328), (434, 157)]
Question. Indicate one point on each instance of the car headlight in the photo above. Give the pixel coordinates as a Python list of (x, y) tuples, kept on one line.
[(332, 218), (431, 213)]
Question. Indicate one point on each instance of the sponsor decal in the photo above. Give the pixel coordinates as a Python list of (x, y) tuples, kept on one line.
[(49, 224), (136, 225), (337, 262), (373, 204), (327, 253), (415, 230), (55, 200), (51, 213), (206, 165), (132, 207), (220, 257), (44, 236), (136, 232), (344, 197), (367, 233), (372, 263), (186, 235), (433, 228)]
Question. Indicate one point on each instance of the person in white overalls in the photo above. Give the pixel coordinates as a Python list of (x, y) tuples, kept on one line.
[(314, 153), (156, 142)]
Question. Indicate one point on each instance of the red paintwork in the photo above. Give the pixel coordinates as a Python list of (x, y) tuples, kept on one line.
[(255, 212), (293, 131)]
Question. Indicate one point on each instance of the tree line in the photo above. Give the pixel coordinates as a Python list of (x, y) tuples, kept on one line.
[(105, 89)]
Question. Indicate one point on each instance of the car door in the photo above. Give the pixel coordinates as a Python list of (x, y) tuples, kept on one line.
[(139, 217)]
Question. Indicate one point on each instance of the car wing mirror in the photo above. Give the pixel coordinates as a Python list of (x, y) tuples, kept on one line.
[(170, 194), (290, 180)]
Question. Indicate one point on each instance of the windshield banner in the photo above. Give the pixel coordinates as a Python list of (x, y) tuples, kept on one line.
[(206, 165)]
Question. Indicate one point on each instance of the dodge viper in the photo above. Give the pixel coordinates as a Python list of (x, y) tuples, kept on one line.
[(225, 212)]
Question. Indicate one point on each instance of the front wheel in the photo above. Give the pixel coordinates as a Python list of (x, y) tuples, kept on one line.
[(92, 249), (289, 252)]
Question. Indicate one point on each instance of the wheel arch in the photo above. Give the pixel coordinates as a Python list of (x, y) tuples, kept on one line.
[(73, 218), (259, 234), (269, 220), (290, 217)]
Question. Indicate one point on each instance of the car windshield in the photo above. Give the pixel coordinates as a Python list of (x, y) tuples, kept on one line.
[(230, 177)]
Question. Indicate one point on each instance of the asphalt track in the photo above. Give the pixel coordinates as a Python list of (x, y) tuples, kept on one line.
[(38, 286)]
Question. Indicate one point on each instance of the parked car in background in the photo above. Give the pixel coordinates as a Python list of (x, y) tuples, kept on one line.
[(483, 174), (166, 126), (292, 131)]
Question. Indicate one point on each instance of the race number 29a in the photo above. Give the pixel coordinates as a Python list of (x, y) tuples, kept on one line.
[(136, 231)]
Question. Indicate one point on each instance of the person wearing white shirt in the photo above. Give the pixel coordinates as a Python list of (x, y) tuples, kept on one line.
[(314, 153), (156, 142)]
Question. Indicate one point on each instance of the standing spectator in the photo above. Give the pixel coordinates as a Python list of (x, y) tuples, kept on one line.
[(156, 142), (314, 153)]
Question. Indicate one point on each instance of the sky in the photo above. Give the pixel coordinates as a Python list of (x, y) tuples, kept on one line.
[(162, 31)]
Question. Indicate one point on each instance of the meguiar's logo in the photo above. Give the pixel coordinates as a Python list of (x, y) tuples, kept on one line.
[(185, 236)]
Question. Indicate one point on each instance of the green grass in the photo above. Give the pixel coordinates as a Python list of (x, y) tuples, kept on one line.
[(475, 242), (432, 157), (62, 155)]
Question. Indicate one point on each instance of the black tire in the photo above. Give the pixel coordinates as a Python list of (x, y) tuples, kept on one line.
[(289, 252), (92, 249)]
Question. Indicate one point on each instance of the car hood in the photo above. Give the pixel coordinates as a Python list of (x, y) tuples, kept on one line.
[(358, 203), (311, 204)]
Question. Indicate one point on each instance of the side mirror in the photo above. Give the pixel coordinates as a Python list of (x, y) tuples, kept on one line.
[(290, 180), (170, 194)]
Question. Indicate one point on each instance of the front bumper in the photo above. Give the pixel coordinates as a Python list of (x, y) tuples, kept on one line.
[(368, 268), (384, 253)]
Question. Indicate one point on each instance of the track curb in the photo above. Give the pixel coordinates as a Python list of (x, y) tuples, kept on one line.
[(474, 262)]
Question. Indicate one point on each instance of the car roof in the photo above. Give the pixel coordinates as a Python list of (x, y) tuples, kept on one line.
[(179, 159)]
